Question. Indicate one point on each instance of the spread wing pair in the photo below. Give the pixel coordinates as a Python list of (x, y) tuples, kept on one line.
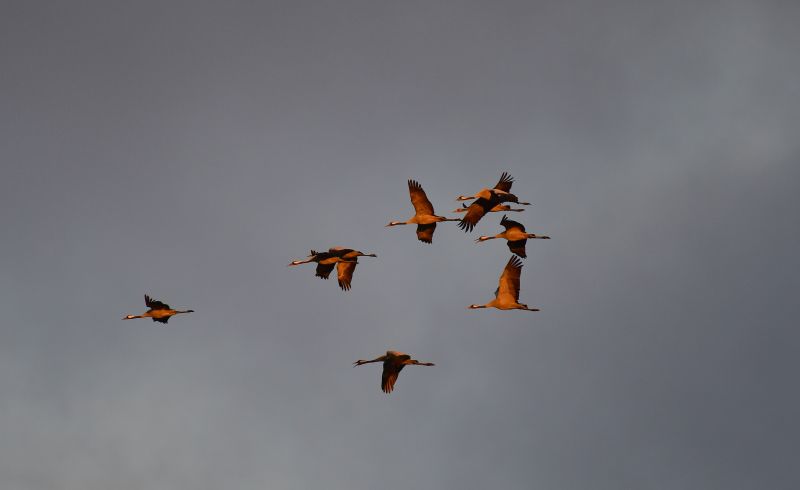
[(422, 207), (156, 305), (506, 296), (424, 216)]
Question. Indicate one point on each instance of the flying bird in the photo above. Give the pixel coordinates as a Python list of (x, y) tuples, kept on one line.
[(326, 261), (503, 186), (506, 296), (424, 216), (346, 266), (515, 234), (486, 200), (496, 209), (393, 363), (158, 312)]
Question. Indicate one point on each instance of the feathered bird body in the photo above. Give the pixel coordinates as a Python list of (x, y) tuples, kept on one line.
[(393, 363), (516, 236), (486, 200), (507, 292), (158, 312), (424, 216)]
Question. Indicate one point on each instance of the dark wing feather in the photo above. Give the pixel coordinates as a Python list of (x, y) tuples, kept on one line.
[(324, 270), (474, 213), (339, 251), (425, 232), (162, 319), (344, 270), (391, 370), (509, 224), (154, 304), (509, 280), (518, 247), (422, 205), (504, 184), (498, 198)]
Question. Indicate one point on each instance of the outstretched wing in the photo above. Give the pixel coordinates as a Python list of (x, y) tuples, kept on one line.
[(509, 224), (499, 197), (518, 247), (391, 370), (339, 251), (324, 270), (509, 280), (474, 213), (345, 270), (422, 205), (164, 319), (504, 184), (425, 232), (154, 304)]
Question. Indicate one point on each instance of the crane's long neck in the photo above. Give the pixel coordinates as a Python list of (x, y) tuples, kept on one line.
[(298, 262), (183, 311), (484, 238), (377, 359), (534, 235), (398, 223)]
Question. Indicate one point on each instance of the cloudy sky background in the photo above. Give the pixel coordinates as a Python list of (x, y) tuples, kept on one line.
[(190, 150)]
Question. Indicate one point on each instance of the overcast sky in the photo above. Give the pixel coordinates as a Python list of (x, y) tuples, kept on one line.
[(190, 150)]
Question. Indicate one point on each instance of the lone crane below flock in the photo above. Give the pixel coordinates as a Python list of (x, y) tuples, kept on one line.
[(158, 312), (393, 363)]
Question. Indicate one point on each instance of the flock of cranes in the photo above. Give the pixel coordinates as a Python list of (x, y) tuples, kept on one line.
[(488, 200)]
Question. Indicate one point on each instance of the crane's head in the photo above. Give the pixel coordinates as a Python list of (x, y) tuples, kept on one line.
[(475, 307), (128, 317), (464, 198)]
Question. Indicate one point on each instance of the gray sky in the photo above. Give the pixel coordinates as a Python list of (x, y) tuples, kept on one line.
[(190, 150)]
